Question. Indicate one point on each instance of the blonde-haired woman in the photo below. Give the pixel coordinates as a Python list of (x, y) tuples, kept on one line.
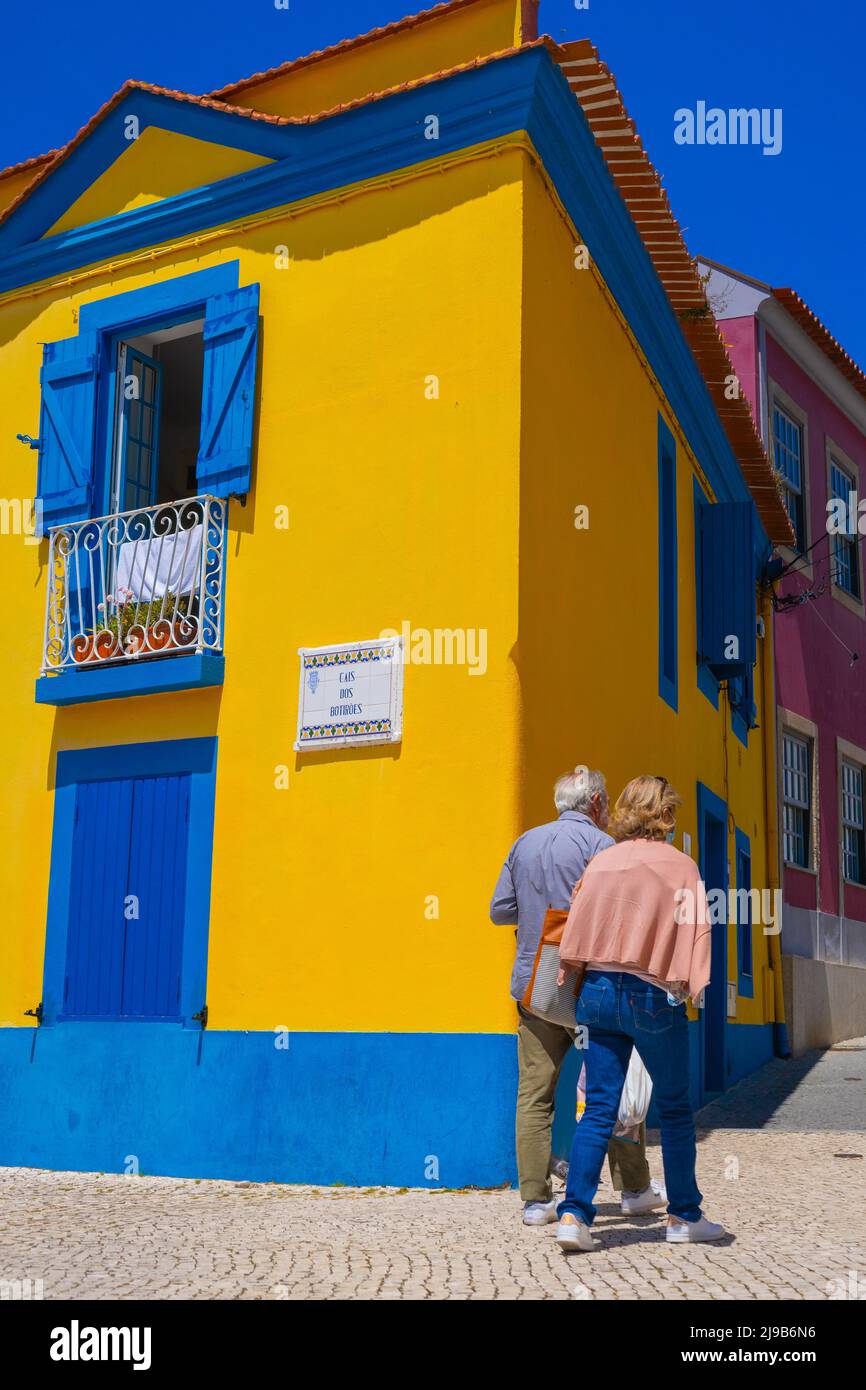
[(639, 921)]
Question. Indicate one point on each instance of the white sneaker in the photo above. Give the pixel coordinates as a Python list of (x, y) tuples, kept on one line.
[(539, 1213), (684, 1231), (638, 1203), (574, 1234)]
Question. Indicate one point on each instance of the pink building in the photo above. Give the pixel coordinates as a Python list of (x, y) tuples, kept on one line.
[(809, 400)]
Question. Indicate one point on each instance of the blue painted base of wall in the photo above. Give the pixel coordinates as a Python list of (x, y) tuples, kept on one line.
[(354, 1108), (565, 1104), (747, 1047)]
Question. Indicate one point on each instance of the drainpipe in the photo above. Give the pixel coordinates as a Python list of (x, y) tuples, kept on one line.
[(781, 1045), (763, 393)]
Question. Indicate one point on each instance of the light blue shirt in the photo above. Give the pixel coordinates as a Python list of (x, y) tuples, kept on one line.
[(540, 872)]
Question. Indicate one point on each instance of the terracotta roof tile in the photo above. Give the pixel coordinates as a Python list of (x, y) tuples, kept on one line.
[(61, 154), (821, 335), (26, 164), (641, 189), (50, 162), (397, 26), (529, 23)]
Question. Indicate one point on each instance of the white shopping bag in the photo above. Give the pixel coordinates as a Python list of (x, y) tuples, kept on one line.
[(636, 1093), (633, 1103)]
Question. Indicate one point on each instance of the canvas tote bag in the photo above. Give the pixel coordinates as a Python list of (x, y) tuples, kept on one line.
[(543, 996)]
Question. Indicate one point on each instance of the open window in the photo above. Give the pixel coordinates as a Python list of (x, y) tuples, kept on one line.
[(157, 423), (147, 428), (180, 419)]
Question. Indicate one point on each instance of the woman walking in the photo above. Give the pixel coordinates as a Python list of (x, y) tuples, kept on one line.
[(639, 922)]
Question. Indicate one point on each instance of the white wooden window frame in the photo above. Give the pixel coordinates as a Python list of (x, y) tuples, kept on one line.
[(837, 458), (778, 399)]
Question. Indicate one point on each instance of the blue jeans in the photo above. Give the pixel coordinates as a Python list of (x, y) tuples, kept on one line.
[(622, 1011)]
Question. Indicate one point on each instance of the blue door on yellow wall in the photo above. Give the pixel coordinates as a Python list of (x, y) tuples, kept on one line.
[(713, 862), (127, 899)]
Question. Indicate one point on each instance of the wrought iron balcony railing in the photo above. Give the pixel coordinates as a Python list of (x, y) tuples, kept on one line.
[(135, 585)]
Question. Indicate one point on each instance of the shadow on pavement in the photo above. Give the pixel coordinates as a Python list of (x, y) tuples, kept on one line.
[(822, 1090)]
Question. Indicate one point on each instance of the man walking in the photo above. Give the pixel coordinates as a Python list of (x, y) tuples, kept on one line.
[(540, 872)]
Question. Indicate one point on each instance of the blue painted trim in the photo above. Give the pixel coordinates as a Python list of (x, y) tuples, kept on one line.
[(126, 315), (525, 91), (198, 757), (739, 727), (160, 758), (668, 547), (745, 982), (182, 294), (108, 142), (710, 802), (169, 302), (711, 806), (157, 676), (223, 1104), (708, 685), (343, 149), (566, 144), (707, 682), (742, 724), (106, 424)]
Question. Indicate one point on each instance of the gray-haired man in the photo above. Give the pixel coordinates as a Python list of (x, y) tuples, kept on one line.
[(540, 872)]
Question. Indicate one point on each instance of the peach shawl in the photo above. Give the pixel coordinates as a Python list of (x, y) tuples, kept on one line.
[(642, 904)]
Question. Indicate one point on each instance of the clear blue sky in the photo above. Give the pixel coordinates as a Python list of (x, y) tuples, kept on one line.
[(796, 219)]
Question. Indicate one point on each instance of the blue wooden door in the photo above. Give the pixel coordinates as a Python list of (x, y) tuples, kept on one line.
[(155, 887), (127, 905), (713, 833), (100, 865)]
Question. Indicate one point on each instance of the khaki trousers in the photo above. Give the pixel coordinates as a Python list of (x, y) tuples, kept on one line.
[(541, 1050)]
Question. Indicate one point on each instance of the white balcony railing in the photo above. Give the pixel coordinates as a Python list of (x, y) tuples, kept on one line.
[(135, 585)]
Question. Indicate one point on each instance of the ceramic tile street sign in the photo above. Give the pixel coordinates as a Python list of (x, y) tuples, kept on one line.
[(351, 694)]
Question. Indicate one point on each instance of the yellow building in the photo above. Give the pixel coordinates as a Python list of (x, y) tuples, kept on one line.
[(361, 386)]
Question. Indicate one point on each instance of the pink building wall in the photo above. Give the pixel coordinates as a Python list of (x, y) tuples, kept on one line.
[(815, 677), (741, 337)]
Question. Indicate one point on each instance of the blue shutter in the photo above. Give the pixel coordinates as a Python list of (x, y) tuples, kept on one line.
[(667, 559), (100, 860), (69, 377), (727, 588), (231, 330), (129, 857), (745, 968), (157, 877)]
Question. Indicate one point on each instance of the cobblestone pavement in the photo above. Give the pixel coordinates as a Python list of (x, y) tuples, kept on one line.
[(782, 1162)]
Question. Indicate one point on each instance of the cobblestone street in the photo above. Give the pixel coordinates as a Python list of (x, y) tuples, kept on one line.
[(781, 1162)]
